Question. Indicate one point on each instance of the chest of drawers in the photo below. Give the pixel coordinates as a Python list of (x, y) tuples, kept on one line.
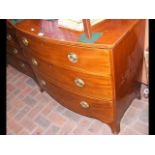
[(98, 80)]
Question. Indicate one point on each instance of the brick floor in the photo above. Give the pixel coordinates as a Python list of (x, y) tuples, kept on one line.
[(31, 112)]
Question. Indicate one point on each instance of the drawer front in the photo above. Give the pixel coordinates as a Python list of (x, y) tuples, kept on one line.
[(80, 83), (100, 109), (90, 60), (20, 65), (11, 37), (16, 51)]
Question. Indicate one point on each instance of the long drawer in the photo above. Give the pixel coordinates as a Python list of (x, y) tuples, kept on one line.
[(20, 65), (80, 83), (90, 60), (100, 109)]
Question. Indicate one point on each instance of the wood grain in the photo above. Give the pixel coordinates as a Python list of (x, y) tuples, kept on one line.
[(95, 86), (100, 109), (127, 59), (109, 67), (58, 55), (112, 29), (87, 28)]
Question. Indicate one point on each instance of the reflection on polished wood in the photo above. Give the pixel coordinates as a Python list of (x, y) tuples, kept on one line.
[(112, 30), (97, 80)]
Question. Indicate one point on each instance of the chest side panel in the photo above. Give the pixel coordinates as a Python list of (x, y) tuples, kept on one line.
[(127, 58)]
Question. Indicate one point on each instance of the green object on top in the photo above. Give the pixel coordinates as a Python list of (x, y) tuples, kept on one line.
[(95, 36), (15, 21)]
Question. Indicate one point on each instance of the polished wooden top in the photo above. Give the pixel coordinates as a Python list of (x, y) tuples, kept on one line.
[(113, 30)]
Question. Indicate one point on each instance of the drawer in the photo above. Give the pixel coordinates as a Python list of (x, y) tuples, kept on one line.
[(80, 83), (91, 60), (16, 51), (20, 65), (11, 37), (100, 109)]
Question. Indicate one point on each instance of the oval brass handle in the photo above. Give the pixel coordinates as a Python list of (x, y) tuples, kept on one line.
[(22, 65), (9, 37), (79, 82), (72, 57), (25, 41), (15, 51), (84, 104), (34, 61), (43, 82)]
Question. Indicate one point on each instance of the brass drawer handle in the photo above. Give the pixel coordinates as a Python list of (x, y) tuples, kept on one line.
[(15, 51), (79, 82), (34, 61), (25, 41), (22, 65), (72, 57), (9, 37), (84, 104), (43, 82)]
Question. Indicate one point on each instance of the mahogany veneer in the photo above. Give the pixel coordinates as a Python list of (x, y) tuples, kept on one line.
[(97, 80)]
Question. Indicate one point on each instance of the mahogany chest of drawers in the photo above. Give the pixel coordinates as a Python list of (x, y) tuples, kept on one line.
[(98, 80)]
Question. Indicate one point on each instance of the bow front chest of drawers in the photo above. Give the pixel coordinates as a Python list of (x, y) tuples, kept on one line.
[(97, 80)]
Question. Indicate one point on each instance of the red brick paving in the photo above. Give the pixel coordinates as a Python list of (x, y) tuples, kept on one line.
[(31, 112)]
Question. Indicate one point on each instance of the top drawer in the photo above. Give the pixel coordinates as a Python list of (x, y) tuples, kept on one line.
[(11, 37), (88, 60)]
